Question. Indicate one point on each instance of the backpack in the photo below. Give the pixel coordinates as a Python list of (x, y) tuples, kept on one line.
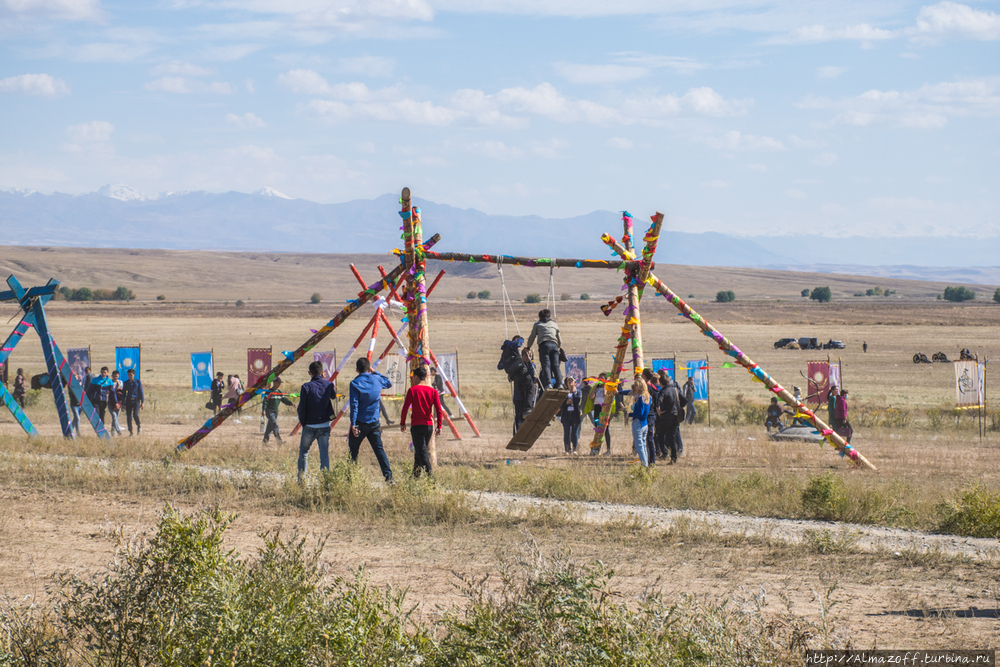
[(512, 364)]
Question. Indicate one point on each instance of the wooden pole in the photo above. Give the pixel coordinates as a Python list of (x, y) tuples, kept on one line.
[(726, 346), (613, 264)]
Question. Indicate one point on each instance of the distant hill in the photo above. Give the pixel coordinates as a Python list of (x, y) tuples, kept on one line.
[(118, 216)]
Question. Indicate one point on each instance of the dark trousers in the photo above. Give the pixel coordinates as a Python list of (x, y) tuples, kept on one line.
[(102, 409), (132, 412), (651, 442), (272, 426), (374, 434), (668, 430), (548, 354), (524, 401), (421, 435), (571, 436), (444, 406)]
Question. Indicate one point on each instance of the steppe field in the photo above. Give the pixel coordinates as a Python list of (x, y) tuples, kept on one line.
[(69, 508)]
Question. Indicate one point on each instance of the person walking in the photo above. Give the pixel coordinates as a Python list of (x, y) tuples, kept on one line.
[(272, 400), (639, 415), (135, 399), (20, 389), (831, 404), (115, 402), (668, 415), (315, 411), (597, 406), (840, 422), (218, 388), (426, 404), (100, 393), (653, 385), (365, 396), (438, 383), (74, 406), (864, 347), (690, 411), (570, 417), (549, 342), (234, 393)]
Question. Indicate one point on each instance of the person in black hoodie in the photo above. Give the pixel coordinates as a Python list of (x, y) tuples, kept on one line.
[(570, 416)]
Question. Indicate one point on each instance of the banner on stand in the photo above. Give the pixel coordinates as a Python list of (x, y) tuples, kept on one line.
[(397, 370), (127, 359), (78, 359), (258, 364), (698, 369), (576, 368), (449, 363), (202, 371), (967, 384), (329, 361), (818, 385), (666, 364)]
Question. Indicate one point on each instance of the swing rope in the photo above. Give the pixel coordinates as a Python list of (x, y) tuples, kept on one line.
[(507, 304), (551, 297)]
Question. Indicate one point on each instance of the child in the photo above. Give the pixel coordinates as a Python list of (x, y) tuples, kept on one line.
[(424, 398)]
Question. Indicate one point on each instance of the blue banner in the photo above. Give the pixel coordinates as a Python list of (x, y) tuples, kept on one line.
[(127, 359), (667, 364), (202, 371), (698, 370)]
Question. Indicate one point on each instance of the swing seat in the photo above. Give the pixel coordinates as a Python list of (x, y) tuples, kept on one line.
[(545, 409)]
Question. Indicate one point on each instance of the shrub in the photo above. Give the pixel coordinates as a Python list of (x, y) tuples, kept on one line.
[(996, 295), (586, 297), (821, 294), (533, 298), (471, 295), (564, 296), (859, 294), (161, 297), (805, 292), (824, 497), (123, 294), (239, 303), (483, 294), (725, 296), (316, 297), (83, 294), (976, 514), (958, 294)]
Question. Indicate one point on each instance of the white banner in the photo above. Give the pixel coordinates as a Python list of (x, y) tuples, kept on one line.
[(449, 362), (966, 384), (395, 369), (835, 376)]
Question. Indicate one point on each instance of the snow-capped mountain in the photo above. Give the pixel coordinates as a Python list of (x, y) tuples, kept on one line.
[(121, 192), (271, 192)]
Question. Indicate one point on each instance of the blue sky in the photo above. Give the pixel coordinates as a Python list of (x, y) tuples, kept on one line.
[(767, 116)]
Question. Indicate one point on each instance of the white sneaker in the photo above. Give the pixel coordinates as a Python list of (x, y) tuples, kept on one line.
[(237, 421)]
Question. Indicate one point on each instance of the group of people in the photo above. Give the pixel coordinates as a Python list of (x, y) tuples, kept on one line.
[(836, 408), (108, 394), (658, 403)]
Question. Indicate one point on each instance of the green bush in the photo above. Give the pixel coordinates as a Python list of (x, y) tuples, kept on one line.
[(821, 294), (533, 298), (315, 298), (239, 303), (958, 294), (584, 297), (725, 296), (996, 295), (805, 292), (824, 497), (471, 295), (161, 297), (976, 514), (483, 294)]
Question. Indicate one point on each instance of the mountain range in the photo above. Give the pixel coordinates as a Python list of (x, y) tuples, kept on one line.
[(118, 216)]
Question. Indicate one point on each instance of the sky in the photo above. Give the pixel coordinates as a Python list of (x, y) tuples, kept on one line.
[(878, 118)]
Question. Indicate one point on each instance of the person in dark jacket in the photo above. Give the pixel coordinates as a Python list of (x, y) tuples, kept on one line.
[(101, 393), (653, 386), (271, 401), (570, 416), (690, 411), (549, 342), (438, 383), (20, 388), (134, 399), (218, 388), (315, 412), (74, 407), (669, 413), (516, 362)]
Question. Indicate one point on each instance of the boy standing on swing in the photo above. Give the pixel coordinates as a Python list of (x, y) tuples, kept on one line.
[(549, 343)]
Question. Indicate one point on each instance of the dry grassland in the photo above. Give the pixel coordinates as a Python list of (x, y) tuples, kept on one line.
[(54, 517)]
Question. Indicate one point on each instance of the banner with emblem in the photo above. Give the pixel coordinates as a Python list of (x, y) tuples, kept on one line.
[(966, 383), (397, 370), (818, 385), (202, 371), (78, 359), (258, 364), (576, 368), (127, 359)]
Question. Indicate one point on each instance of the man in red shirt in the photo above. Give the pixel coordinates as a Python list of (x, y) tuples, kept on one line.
[(423, 398)]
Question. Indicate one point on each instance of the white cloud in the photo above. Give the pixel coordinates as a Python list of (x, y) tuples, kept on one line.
[(246, 121), (757, 167), (825, 159), (180, 85), (34, 84), (951, 19), (830, 72), (550, 150), (94, 131), (179, 68), (367, 65), (818, 33), (68, 10), (403, 110), (496, 150), (927, 107), (309, 82), (805, 143), (250, 86), (111, 52), (680, 64), (599, 74), (737, 141), (792, 193), (620, 142), (717, 185)]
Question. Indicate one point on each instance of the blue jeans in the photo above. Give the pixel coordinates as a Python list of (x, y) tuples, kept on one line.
[(373, 432), (639, 441), (322, 438), (76, 418)]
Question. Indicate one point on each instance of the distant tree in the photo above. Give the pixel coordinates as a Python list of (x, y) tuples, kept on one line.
[(564, 296), (859, 294), (938, 297), (83, 294), (239, 303), (124, 294), (821, 294), (869, 292), (725, 296), (163, 297), (316, 297), (471, 295), (584, 297), (958, 294), (483, 294), (996, 295), (805, 292), (878, 291), (533, 298)]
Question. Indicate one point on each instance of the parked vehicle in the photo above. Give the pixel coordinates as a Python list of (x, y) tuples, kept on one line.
[(783, 342), (808, 343), (834, 345)]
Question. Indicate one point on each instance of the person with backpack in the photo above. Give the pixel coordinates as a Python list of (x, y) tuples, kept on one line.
[(549, 342), (426, 404), (516, 363)]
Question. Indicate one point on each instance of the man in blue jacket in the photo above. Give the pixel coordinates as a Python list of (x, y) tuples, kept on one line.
[(315, 412), (134, 399), (365, 397)]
